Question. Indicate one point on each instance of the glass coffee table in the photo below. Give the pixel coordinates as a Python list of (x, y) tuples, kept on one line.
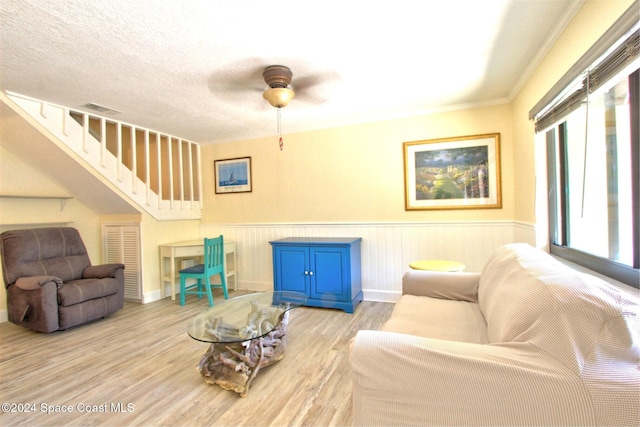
[(246, 333)]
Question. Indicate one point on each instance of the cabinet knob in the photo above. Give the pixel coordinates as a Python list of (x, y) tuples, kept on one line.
[(311, 273), (306, 273)]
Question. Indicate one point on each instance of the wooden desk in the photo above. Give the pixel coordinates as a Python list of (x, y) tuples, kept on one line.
[(190, 249)]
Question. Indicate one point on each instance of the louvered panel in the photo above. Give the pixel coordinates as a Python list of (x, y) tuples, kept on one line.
[(122, 245), (113, 249), (131, 260)]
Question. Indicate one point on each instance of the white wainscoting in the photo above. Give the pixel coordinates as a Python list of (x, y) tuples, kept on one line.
[(387, 248)]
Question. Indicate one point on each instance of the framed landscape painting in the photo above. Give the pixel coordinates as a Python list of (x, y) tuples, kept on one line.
[(453, 173), (233, 175)]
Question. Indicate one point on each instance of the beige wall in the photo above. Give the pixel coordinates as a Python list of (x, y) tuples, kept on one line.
[(348, 174)]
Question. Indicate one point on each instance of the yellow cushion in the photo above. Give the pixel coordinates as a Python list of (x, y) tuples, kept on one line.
[(437, 265)]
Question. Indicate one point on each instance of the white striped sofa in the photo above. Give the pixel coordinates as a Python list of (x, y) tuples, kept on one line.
[(529, 341)]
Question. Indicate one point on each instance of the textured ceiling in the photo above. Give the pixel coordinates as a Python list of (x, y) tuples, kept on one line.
[(193, 68)]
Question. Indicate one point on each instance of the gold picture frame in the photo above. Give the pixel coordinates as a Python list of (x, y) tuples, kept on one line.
[(453, 173)]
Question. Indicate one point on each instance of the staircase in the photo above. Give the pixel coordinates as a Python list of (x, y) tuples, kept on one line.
[(156, 172)]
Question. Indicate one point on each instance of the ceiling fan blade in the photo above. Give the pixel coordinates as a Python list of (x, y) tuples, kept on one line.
[(239, 76), (242, 83), (315, 88)]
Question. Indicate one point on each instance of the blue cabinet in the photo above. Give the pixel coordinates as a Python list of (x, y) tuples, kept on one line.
[(327, 270)]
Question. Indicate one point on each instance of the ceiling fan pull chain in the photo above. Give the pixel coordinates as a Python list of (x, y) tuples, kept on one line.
[(278, 77), (280, 142)]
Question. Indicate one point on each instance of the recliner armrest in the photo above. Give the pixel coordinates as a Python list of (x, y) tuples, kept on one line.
[(36, 282), (101, 271), (32, 302)]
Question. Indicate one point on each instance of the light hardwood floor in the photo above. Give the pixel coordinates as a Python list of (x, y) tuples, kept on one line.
[(142, 361)]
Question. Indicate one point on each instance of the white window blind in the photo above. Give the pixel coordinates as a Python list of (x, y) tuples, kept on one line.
[(611, 53)]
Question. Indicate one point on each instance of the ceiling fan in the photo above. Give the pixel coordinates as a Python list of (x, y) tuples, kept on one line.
[(309, 88), (278, 78), (238, 81), (240, 77), (279, 94)]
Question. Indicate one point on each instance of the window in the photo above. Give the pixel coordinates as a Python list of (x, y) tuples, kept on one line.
[(591, 132)]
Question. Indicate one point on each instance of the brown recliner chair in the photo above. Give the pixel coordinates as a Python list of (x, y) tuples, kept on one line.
[(51, 284)]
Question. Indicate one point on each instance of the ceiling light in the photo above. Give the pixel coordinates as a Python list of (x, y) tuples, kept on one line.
[(279, 96)]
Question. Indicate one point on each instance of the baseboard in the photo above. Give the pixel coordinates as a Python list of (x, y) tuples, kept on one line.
[(157, 295), (154, 296), (4, 316), (368, 294), (381, 296)]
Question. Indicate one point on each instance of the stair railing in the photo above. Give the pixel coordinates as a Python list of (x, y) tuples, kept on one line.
[(155, 159)]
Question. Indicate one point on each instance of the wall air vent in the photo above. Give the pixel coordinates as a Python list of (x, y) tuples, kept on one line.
[(101, 109)]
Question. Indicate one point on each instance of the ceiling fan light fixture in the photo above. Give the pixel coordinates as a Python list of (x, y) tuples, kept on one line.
[(279, 97)]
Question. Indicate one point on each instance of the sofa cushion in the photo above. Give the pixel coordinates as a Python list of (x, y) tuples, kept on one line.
[(528, 296), (43, 252), (508, 285), (504, 283), (87, 311), (438, 318), (77, 291)]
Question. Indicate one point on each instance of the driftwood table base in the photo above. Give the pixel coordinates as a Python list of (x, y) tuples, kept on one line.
[(233, 366)]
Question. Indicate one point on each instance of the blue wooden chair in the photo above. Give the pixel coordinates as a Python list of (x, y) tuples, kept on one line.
[(213, 264)]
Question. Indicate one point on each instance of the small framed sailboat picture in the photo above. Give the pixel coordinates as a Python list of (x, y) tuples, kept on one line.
[(233, 175)]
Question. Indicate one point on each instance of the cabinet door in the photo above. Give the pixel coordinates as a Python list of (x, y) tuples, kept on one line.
[(291, 265), (330, 269)]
